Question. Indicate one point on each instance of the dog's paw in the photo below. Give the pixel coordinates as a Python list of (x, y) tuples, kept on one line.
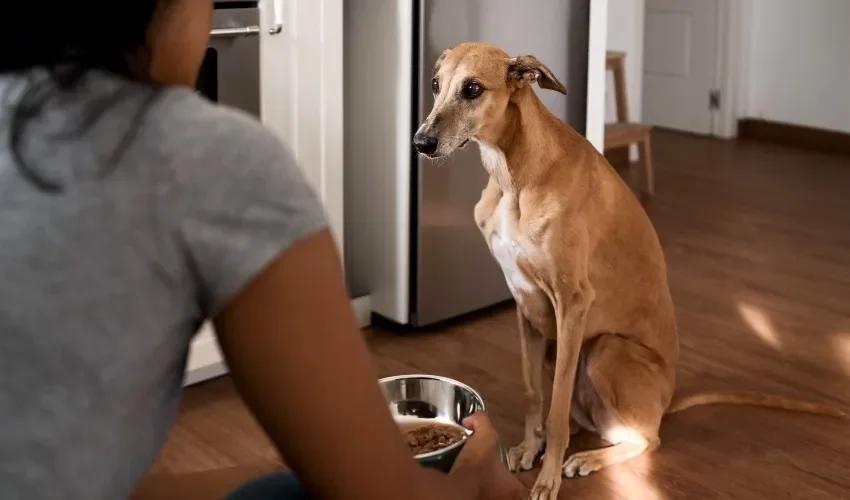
[(582, 463), (546, 487), (522, 457)]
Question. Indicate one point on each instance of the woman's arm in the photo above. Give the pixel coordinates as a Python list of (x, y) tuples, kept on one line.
[(264, 266), (294, 350)]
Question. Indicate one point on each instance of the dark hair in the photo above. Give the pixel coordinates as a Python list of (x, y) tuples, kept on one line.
[(68, 39)]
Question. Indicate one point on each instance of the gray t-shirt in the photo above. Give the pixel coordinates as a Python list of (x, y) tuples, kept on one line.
[(169, 205)]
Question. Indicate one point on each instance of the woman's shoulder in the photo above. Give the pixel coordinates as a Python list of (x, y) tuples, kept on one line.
[(231, 189), (186, 120), (194, 137), (178, 107)]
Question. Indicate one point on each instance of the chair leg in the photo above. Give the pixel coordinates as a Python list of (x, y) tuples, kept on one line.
[(646, 158)]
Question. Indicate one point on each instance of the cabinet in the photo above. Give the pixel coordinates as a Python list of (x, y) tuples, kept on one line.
[(301, 89), (301, 75)]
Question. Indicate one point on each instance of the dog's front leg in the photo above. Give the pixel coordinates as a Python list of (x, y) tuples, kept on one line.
[(532, 348), (571, 306)]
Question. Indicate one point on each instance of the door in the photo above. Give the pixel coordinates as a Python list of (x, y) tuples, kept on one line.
[(680, 64), (453, 271), (301, 80)]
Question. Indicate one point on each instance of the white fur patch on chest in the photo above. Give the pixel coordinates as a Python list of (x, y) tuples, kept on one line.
[(494, 160), (504, 241), (506, 248), (492, 157)]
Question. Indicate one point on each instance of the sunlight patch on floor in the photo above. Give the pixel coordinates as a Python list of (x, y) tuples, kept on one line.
[(841, 346), (760, 324), (630, 481)]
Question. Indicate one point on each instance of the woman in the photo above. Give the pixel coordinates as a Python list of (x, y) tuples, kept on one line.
[(130, 210)]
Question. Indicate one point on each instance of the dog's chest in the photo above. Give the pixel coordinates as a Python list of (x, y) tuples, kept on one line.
[(508, 246)]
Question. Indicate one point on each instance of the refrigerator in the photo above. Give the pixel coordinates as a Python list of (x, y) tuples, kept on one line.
[(411, 242)]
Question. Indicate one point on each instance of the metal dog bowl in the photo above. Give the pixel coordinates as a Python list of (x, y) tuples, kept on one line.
[(432, 399)]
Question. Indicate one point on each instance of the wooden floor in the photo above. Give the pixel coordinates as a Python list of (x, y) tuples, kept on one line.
[(757, 239)]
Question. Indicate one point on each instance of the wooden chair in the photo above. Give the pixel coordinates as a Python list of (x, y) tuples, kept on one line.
[(623, 133)]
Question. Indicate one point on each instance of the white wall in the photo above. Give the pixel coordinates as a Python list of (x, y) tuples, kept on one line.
[(625, 33), (799, 62)]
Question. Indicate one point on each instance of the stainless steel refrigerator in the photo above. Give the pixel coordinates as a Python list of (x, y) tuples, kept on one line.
[(411, 241)]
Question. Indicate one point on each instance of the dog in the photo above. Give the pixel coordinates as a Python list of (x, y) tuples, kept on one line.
[(582, 261)]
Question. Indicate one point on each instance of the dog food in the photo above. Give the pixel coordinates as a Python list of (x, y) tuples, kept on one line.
[(431, 437)]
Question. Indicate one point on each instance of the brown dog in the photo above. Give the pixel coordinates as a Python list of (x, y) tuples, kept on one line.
[(581, 259)]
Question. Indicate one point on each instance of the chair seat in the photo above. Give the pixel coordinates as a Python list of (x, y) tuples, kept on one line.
[(613, 57), (618, 135)]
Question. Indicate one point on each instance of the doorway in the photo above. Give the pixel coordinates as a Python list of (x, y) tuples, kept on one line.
[(693, 52)]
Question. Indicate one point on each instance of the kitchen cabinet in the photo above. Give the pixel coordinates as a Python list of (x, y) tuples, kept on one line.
[(301, 90), (301, 75)]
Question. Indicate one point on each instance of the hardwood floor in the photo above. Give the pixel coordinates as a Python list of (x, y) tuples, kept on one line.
[(757, 239)]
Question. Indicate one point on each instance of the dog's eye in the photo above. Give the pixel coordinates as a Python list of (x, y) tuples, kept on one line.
[(472, 90), (435, 86)]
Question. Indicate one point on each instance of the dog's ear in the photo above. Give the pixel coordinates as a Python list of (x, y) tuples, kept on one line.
[(529, 69)]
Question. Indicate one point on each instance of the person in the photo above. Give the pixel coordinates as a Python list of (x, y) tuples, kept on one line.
[(131, 209)]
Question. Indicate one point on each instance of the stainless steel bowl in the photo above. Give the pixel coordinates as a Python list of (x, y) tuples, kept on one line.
[(432, 399)]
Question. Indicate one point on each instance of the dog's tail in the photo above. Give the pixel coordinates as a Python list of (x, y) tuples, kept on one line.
[(681, 403)]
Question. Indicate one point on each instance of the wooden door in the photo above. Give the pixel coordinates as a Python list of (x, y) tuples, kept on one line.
[(680, 64)]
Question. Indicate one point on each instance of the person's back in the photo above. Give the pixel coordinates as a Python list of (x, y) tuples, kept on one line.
[(103, 239)]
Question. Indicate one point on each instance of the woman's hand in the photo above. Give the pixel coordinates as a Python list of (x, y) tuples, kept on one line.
[(480, 461)]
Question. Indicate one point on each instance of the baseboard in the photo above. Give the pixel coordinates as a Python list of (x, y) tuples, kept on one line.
[(205, 359), (829, 141), (363, 310)]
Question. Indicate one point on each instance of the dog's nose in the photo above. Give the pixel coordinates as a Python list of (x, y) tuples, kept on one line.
[(425, 144)]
